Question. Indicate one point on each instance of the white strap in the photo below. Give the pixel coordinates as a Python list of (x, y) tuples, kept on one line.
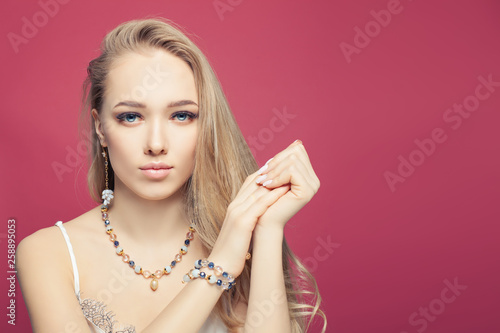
[(72, 256)]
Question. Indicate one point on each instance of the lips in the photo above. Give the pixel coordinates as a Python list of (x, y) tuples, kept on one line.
[(156, 170), (155, 166)]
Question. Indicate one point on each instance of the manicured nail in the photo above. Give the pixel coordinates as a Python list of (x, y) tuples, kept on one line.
[(261, 170), (267, 182), (260, 179), (264, 168), (299, 141)]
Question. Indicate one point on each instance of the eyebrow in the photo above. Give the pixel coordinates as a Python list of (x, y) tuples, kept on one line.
[(142, 106)]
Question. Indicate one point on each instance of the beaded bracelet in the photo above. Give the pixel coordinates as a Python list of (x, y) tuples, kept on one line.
[(221, 278)]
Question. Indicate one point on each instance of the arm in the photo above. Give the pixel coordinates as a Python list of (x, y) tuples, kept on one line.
[(188, 311), (47, 283), (268, 308)]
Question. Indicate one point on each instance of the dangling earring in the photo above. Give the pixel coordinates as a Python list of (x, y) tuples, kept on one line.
[(107, 194)]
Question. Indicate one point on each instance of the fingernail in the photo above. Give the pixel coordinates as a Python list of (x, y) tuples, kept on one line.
[(267, 182), (261, 178), (299, 141), (261, 170)]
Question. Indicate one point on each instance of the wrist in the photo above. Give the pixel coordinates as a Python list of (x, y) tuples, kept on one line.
[(272, 231), (215, 275)]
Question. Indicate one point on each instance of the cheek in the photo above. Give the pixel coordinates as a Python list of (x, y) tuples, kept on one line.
[(121, 148), (186, 147)]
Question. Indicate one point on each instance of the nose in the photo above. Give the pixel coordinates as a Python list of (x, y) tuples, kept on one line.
[(156, 143)]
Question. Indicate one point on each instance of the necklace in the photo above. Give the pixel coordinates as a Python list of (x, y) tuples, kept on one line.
[(138, 269)]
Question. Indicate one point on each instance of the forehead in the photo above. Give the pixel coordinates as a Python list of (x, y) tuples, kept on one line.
[(153, 77)]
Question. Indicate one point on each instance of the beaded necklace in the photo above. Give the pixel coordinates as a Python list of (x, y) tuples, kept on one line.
[(138, 269)]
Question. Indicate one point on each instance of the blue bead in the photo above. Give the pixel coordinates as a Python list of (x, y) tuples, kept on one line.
[(116, 243), (229, 286), (173, 263), (186, 242), (225, 274), (199, 262), (202, 275), (211, 265), (131, 263), (219, 282), (106, 222)]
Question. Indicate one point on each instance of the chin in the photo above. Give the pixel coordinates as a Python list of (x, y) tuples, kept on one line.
[(162, 194)]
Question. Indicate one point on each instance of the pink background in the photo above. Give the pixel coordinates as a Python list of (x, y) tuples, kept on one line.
[(380, 254)]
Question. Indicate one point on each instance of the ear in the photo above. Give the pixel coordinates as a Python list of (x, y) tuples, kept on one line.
[(98, 127)]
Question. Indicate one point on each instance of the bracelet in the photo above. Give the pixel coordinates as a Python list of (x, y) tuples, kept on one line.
[(221, 278)]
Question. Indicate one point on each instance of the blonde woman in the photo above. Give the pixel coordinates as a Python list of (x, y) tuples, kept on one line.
[(189, 235)]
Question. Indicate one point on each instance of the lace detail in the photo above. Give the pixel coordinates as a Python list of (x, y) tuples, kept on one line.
[(97, 313)]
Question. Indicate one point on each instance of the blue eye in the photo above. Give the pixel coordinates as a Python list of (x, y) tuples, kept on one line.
[(183, 116), (127, 117)]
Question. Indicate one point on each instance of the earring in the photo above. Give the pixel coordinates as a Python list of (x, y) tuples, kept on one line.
[(107, 194)]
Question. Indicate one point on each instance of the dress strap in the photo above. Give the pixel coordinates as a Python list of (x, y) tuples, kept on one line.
[(72, 256)]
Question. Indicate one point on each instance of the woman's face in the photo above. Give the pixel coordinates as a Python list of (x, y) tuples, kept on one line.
[(149, 122)]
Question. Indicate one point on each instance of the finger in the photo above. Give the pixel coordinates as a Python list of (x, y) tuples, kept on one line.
[(307, 160), (292, 170), (271, 163), (299, 185), (246, 188), (259, 207), (297, 149)]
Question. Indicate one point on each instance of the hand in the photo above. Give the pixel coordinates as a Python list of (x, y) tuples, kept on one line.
[(241, 218), (291, 170)]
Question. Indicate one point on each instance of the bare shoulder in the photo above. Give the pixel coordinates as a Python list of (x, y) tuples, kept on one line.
[(45, 275), (46, 249), (49, 241), (46, 241)]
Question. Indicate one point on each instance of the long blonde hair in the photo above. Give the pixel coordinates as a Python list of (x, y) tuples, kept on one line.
[(223, 159)]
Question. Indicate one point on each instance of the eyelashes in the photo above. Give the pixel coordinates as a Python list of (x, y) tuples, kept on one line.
[(127, 117), (187, 114), (131, 117)]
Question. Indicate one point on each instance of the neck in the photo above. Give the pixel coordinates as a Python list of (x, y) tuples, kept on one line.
[(144, 220)]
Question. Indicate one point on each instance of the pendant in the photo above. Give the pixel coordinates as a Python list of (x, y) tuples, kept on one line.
[(154, 284)]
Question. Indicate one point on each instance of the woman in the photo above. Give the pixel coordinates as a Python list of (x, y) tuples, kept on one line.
[(187, 224)]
